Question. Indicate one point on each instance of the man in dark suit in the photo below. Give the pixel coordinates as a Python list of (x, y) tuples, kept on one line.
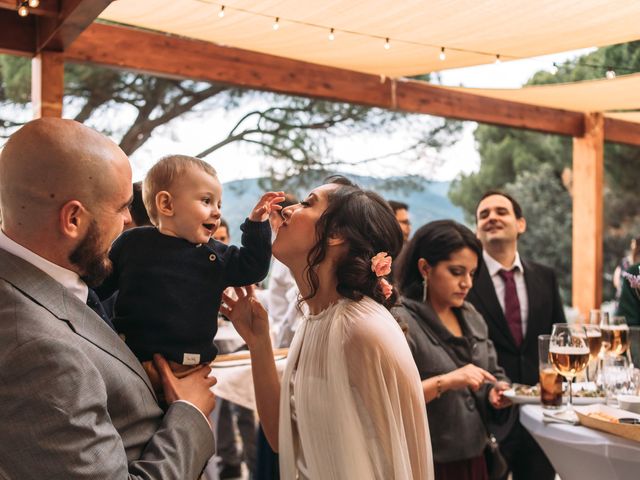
[(75, 403), (519, 300)]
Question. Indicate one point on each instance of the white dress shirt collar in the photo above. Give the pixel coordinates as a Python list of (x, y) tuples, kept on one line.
[(67, 278), (493, 266)]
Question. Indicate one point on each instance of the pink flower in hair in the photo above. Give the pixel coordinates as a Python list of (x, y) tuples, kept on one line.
[(381, 264), (387, 288)]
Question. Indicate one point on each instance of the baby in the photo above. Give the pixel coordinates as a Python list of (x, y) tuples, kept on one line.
[(170, 277)]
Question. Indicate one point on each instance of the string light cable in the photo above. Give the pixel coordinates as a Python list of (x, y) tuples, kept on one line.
[(333, 31), (498, 58)]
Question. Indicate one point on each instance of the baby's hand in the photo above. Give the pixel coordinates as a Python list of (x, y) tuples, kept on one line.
[(267, 204)]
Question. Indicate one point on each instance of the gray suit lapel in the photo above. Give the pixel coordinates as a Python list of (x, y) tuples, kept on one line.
[(51, 295)]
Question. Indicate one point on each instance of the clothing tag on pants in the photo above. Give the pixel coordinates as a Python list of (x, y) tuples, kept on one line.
[(191, 359)]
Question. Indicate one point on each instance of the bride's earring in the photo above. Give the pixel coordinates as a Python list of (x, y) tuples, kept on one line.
[(424, 288)]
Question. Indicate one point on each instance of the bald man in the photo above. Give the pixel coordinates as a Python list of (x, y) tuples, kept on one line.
[(74, 401)]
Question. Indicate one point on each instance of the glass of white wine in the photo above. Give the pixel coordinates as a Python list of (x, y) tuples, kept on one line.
[(598, 318), (569, 352), (594, 340), (615, 335)]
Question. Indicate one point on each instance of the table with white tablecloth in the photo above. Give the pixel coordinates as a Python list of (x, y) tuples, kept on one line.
[(227, 339), (235, 383), (581, 453)]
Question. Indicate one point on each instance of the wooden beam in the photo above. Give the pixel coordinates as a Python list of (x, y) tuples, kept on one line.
[(17, 34), (47, 84), (587, 192), (47, 8), (177, 57), (74, 17), (51, 26), (421, 97), (620, 131)]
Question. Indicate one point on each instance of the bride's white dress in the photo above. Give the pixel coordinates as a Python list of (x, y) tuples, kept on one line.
[(351, 405)]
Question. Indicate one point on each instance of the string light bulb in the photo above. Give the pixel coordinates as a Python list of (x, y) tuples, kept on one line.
[(332, 36), (23, 11), (34, 3), (610, 74), (554, 68), (497, 59), (387, 45), (442, 55), (276, 24), (221, 12)]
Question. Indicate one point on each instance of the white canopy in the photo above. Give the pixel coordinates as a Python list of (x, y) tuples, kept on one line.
[(472, 32)]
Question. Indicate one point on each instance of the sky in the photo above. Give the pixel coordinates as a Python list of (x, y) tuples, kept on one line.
[(235, 161)]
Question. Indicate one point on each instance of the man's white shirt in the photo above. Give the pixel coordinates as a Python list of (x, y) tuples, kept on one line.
[(68, 279), (494, 267)]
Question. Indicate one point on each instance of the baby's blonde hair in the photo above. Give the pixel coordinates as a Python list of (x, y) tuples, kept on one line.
[(164, 173)]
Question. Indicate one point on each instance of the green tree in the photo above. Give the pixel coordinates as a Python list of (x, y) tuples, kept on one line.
[(548, 234), (294, 134), (508, 156)]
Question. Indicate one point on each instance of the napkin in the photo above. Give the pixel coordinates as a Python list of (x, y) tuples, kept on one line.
[(568, 417)]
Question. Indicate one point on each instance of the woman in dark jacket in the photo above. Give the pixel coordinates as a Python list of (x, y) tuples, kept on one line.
[(461, 379)]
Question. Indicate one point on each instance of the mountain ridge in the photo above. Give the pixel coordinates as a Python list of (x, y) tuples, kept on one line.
[(425, 205)]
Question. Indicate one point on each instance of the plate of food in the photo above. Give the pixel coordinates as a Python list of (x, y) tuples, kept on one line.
[(584, 393)]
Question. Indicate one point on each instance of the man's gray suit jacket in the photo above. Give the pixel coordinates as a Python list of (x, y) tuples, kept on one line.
[(75, 402)]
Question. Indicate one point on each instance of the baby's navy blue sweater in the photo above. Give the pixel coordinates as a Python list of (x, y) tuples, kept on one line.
[(169, 290)]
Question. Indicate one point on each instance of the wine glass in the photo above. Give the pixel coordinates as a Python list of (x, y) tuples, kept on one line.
[(617, 378), (594, 340), (569, 352), (615, 335)]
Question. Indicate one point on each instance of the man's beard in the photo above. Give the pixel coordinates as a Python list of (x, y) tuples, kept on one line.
[(94, 266)]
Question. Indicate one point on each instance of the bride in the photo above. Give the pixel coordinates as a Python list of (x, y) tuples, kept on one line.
[(350, 405)]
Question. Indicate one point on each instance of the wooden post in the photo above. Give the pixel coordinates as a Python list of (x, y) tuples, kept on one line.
[(47, 84), (588, 178)]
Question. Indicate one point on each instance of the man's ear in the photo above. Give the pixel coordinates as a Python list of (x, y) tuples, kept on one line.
[(164, 204), (74, 219), (521, 225)]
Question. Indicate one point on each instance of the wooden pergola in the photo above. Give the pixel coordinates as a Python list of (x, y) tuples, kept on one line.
[(60, 31)]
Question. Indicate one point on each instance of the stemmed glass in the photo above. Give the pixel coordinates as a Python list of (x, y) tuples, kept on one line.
[(601, 319), (569, 352), (594, 340), (615, 335)]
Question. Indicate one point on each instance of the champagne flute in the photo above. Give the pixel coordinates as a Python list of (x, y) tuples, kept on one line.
[(615, 335), (601, 319), (594, 340), (569, 352)]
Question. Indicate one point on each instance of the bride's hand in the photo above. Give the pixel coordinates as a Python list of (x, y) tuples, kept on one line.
[(247, 315)]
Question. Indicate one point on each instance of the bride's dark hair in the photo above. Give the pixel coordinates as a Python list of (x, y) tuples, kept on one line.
[(368, 226)]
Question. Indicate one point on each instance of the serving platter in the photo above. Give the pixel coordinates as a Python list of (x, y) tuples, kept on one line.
[(584, 393)]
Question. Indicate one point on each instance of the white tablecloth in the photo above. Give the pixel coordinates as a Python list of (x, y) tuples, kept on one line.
[(227, 338), (236, 383), (581, 453)]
